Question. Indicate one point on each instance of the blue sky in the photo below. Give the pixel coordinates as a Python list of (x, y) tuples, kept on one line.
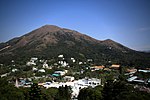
[(124, 21)]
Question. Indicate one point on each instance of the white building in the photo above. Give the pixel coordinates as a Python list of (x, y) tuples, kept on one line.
[(80, 63), (89, 82), (45, 65), (34, 69), (61, 73), (33, 59), (4, 75), (76, 85), (69, 78), (14, 70), (63, 63), (60, 56), (145, 71), (41, 70), (73, 60), (30, 63), (89, 60), (132, 78)]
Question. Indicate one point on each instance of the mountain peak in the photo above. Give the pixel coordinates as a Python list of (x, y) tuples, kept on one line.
[(108, 40), (50, 26)]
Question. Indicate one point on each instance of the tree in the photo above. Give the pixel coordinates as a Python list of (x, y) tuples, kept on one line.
[(9, 92), (35, 92), (90, 94), (108, 90), (120, 90), (64, 93), (50, 93)]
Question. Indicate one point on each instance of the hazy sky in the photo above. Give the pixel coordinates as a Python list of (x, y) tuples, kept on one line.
[(124, 21)]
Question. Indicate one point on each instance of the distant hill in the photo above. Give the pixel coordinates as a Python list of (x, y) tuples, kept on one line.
[(49, 41), (148, 51)]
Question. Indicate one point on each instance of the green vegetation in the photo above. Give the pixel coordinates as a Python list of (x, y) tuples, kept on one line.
[(90, 94), (64, 93), (81, 48), (9, 92), (35, 92), (113, 90)]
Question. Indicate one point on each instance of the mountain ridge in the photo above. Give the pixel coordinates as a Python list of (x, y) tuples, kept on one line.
[(44, 30), (49, 40)]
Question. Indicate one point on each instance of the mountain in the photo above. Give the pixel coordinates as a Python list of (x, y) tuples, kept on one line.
[(148, 51), (49, 41)]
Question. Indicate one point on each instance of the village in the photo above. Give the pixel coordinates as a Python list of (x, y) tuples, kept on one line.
[(86, 75)]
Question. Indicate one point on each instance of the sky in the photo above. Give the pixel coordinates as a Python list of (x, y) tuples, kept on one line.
[(124, 21)]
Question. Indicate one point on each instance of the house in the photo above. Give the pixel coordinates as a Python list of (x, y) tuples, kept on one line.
[(80, 63), (4, 75), (59, 73), (148, 81), (69, 78), (41, 84), (114, 66), (145, 71), (34, 69), (45, 65), (138, 81), (66, 71), (90, 82), (30, 63), (89, 60), (131, 70), (63, 63), (60, 56), (73, 60), (107, 69), (97, 68), (33, 59), (24, 82), (132, 78), (1, 64), (14, 70), (41, 70), (56, 74)]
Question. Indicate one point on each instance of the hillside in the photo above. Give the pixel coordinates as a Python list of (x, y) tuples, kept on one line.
[(49, 41)]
